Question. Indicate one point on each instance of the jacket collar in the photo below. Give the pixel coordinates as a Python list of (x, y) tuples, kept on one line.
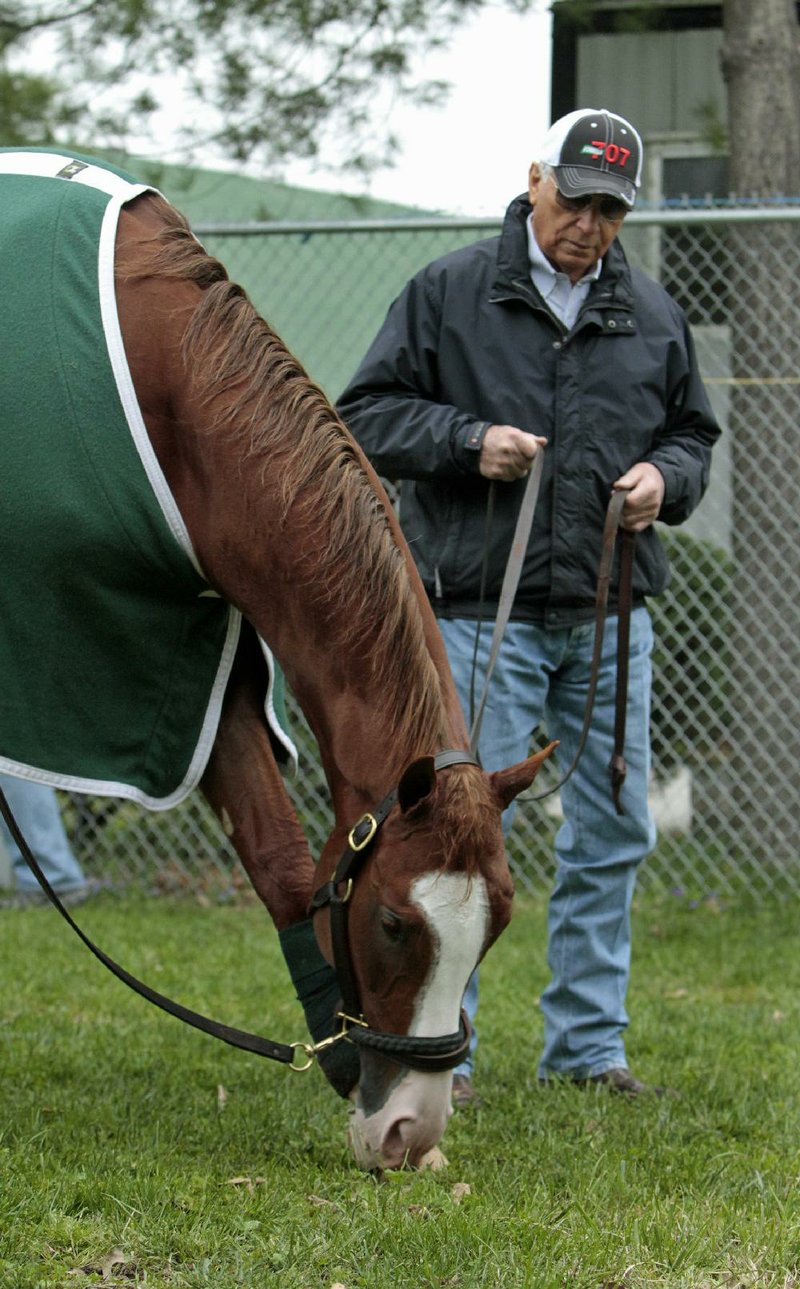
[(613, 289)]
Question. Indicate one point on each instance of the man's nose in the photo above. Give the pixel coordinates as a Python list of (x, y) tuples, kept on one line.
[(589, 218)]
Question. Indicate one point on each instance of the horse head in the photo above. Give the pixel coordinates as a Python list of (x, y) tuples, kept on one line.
[(409, 907)]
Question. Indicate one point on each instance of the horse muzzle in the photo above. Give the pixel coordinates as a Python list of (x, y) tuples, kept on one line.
[(406, 1127)]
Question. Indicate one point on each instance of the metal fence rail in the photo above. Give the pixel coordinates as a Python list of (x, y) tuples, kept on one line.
[(726, 710)]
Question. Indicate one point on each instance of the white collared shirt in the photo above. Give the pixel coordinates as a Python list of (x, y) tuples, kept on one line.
[(556, 289)]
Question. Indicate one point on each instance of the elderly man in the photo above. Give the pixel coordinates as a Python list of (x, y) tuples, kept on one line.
[(544, 340)]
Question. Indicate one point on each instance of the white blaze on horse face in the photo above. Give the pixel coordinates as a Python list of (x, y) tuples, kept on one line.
[(414, 1116), (456, 909)]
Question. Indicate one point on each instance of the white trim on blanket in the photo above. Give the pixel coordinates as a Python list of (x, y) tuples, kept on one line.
[(276, 729), (122, 375), (49, 164)]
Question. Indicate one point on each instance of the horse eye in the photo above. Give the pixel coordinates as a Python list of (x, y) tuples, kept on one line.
[(392, 926)]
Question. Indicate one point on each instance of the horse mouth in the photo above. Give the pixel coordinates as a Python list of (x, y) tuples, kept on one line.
[(405, 1132), (371, 1160)]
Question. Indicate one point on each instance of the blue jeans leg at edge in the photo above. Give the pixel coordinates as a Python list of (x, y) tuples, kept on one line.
[(543, 676), (35, 808)]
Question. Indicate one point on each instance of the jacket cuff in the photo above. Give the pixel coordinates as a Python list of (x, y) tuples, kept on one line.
[(471, 444), (672, 485), (674, 505)]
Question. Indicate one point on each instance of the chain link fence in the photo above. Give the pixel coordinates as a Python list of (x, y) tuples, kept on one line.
[(726, 705)]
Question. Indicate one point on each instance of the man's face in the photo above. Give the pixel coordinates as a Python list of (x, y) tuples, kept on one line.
[(573, 240)]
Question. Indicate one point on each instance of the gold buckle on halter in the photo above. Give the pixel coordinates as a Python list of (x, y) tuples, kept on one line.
[(350, 1020), (312, 1050), (348, 891), (372, 827)]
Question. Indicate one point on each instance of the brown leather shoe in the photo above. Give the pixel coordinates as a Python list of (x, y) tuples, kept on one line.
[(464, 1094), (618, 1080), (621, 1080)]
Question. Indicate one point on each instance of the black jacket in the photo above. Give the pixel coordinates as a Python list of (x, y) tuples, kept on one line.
[(469, 342)]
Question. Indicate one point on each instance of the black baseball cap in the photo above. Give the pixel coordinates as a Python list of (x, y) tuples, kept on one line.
[(594, 150)]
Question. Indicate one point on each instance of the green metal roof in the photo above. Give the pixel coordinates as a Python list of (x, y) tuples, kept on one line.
[(325, 291), (211, 196)]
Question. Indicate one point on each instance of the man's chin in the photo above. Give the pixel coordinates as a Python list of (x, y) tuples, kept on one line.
[(575, 263)]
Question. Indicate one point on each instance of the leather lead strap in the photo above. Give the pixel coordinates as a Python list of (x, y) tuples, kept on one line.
[(617, 767), (624, 603), (427, 1054), (508, 590), (235, 1037)]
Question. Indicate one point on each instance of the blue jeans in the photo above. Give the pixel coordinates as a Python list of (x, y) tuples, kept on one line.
[(542, 677), (35, 808)]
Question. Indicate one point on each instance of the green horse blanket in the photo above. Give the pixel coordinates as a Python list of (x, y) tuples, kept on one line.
[(114, 651)]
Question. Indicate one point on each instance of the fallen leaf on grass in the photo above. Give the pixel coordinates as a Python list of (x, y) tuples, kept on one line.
[(676, 993), (778, 1016), (460, 1191), (419, 1210), (249, 1182), (115, 1258), (321, 1202), (433, 1159), (222, 1097)]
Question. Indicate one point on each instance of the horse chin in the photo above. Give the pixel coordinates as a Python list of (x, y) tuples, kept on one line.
[(404, 1130)]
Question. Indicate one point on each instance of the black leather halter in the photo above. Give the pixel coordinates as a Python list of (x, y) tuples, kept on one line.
[(427, 1054)]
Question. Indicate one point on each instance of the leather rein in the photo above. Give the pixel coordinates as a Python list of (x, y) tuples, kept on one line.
[(427, 1054), (611, 530)]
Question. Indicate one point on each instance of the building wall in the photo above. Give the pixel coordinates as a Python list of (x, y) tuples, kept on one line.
[(666, 82)]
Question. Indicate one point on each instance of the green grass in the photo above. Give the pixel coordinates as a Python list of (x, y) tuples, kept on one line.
[(123, 1130)]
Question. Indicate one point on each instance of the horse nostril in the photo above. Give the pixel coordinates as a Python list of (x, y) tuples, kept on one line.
[(400, 1144)]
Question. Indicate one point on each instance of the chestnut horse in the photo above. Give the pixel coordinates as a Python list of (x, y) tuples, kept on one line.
[(290, 525)]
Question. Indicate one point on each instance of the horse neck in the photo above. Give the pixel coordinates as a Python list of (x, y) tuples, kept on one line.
[(351, 698), (370, 710)]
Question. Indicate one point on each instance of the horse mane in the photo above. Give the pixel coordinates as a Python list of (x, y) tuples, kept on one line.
[(467, 818), (261, 395)]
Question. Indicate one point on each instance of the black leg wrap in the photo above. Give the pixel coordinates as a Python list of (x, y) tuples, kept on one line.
[(317, 989)]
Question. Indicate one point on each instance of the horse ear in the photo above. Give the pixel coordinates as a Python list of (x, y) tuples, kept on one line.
[(417, 783), (507, 784)]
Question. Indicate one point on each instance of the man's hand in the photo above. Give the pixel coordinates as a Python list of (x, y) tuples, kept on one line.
[(507, 453), (646, 483)]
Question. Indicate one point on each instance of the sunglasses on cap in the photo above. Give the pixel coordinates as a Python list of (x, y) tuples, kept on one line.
[(610, 209)]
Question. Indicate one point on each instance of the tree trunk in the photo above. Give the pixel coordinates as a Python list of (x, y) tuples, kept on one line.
[(761, 66)]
